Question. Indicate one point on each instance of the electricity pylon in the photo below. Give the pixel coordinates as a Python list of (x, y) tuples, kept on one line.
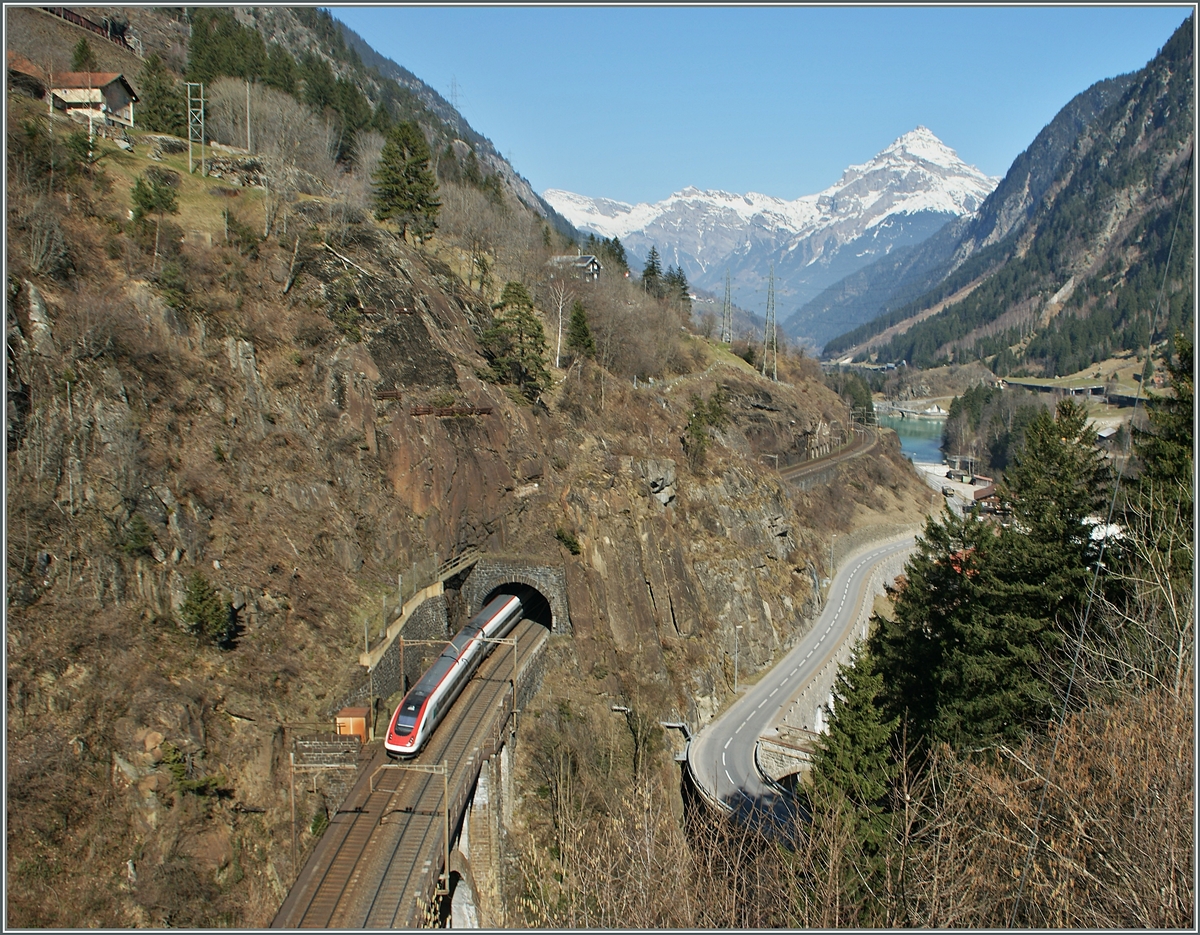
[(770, 339), (727, 315)]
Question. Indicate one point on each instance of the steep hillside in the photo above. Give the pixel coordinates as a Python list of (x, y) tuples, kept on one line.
[(215, 472), (868, 295), (1081, 279), (898, 198)]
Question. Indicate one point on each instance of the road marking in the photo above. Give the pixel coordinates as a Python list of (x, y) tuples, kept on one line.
[(740, 726), (784, 682), (772, 695), (728, 742), (722, 757), (794, 671), (761, 703), (730, 778)]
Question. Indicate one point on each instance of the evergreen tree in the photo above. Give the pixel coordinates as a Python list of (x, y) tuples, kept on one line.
[(974, 621), (1166, 449), (82, 58), (616, 253), (204, 611), (852, 774), (154, 194), (1058, 478), (405, 189), (319, 81), (652, 274), (220, 45), (381, 120), (161, 107), (280, 69), (516, 342), (579, 335)]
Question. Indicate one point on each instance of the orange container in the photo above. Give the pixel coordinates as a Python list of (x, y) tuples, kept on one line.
[(354, 721)]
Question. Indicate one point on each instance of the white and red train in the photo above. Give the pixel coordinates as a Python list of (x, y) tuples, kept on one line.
[(428, 701)]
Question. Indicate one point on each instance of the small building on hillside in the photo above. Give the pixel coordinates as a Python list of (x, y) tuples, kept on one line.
[(107, 94), (584, 266)]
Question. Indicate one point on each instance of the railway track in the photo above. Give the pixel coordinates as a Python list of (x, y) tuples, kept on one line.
[(378, 862)]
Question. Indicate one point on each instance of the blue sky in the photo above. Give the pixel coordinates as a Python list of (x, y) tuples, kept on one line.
[(634, 103)]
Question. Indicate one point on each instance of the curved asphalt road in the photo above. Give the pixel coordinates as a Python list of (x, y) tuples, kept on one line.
[(721, 756)]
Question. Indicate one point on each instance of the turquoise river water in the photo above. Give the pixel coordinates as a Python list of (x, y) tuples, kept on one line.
[(919, 438)]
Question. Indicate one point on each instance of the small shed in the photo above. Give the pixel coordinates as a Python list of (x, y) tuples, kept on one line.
[(354, 722), (107, 94), (584, 266)]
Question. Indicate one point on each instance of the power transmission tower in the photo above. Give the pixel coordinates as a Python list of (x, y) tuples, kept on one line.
[(454, 92), (195, 92), (727, 315), (770, 339)]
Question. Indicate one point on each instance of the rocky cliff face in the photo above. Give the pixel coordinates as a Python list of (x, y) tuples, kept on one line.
[(268, 442)]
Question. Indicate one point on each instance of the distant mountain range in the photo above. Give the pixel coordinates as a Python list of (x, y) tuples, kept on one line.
[(898, 199), (893, 281), (1086, 248)]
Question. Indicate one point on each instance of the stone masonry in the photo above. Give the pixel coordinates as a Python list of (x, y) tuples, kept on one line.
[(550, 580)]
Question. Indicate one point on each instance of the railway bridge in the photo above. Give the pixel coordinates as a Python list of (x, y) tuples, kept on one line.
[(411, 831)]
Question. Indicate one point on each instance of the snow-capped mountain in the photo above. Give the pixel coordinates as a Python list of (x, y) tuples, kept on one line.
[(900, 197)]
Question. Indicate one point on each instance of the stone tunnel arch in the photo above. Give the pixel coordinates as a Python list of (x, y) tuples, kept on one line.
[(544, 586)]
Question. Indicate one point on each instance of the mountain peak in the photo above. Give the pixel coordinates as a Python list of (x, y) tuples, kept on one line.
[(923, 144)]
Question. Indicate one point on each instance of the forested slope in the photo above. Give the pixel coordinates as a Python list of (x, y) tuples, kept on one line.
[(1080, 280)]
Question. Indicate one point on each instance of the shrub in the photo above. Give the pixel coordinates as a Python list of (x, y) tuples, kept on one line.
[(567, 539)]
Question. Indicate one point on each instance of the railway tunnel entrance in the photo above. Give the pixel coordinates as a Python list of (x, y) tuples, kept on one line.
[(543, 586), (536, 605)]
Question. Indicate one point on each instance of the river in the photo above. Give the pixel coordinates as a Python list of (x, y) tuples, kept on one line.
[(920, 438)]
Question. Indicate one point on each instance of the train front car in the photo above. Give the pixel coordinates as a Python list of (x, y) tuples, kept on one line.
[(427, 702)]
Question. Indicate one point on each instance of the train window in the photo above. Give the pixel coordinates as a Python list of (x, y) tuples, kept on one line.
[(405, 723)]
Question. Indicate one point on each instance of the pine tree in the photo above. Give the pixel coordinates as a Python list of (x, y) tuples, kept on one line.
[(579, 335), (852, 774), (405, 189), (973, 624), (516, 342), (204, 611), (1058, 478), (652, 274), (161, 107), (280, 69), (616, 253), (154, 194), (1166, 449), (82, 58)]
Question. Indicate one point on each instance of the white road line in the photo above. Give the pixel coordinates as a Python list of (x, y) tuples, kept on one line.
[(728, 742), (740, 726), (772, 695), (761, 703), (722, 757), (730, 778), (784, 682)]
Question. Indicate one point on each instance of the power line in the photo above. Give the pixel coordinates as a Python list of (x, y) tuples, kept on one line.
[(770, 337), (727, 314)]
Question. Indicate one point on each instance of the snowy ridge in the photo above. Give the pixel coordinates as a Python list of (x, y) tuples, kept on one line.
[(917, 172), (898, 198)]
